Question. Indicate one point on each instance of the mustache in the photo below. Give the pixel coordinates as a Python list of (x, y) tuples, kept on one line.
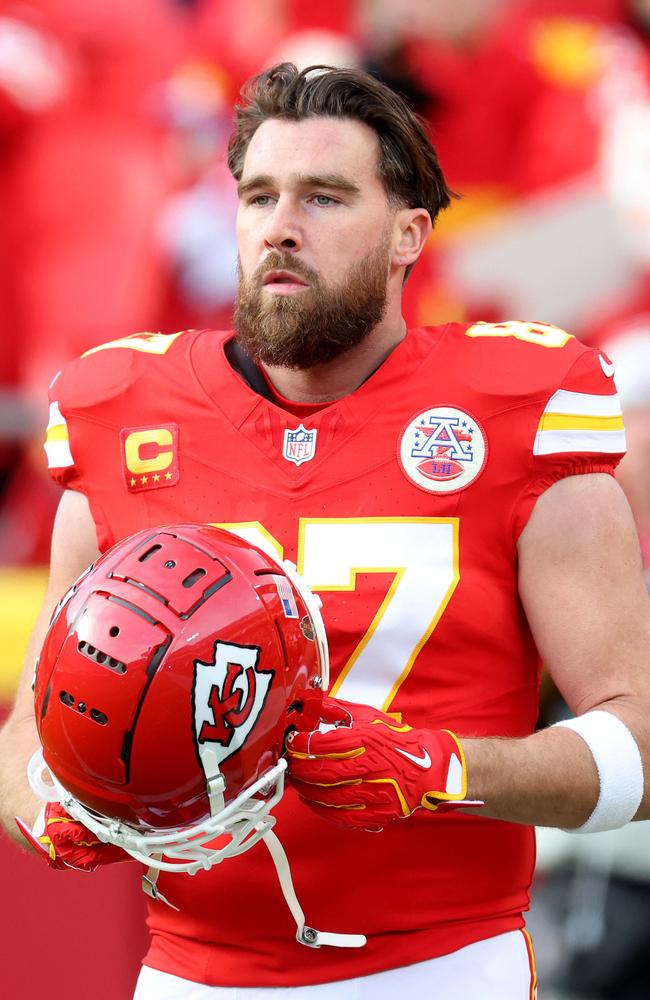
[(277, 261)]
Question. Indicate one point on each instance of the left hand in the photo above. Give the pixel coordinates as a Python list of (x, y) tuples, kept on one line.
[(360, 768)]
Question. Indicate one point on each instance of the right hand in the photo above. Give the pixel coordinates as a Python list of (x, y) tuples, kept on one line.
[(362, 769), (63, 842)]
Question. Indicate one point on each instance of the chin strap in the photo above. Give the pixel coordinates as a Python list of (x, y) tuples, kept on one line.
[(308, 936), (305, 935), (150, 889)]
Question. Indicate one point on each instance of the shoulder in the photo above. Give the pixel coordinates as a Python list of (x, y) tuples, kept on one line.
[(108, 371), (523, 364), (517, 356), (136, 381)]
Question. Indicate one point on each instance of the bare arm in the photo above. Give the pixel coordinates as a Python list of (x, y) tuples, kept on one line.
[(582, 588), (74, 546)]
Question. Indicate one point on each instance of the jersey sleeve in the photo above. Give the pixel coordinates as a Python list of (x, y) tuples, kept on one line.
[(579, 430), (60, 463), (102, 375)]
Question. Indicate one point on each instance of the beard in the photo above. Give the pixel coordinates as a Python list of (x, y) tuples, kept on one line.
[(315, 326)]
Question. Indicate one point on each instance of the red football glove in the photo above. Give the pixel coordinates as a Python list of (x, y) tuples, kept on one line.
[(63, 842), (363, 769)]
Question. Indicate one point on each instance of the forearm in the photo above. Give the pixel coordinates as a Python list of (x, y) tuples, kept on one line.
[(74, 546), (547, 779), (18, 741)]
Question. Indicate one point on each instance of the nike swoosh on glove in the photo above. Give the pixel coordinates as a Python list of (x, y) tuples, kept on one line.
[(63, 842), (360, 768)]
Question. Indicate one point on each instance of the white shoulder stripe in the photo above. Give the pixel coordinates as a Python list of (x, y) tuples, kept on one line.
[(556, 441), (58, 454), (56, 417), (584, 403), (57, 444)]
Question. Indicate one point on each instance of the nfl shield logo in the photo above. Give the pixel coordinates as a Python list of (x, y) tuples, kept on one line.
[(299, 445)]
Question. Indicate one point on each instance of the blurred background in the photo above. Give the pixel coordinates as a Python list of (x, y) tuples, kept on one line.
[(117, 215)]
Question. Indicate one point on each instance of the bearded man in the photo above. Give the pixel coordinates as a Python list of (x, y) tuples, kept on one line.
[(449, 492)]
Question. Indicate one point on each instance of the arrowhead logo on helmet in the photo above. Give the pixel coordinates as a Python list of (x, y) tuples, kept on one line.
[(229, 694)]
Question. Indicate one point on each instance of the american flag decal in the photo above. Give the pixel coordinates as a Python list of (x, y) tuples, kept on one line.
[(287, 597)]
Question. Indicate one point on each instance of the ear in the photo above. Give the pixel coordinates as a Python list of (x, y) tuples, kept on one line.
[(412, 230)]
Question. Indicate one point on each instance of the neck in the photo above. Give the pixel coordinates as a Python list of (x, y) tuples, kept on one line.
[(345, 373)]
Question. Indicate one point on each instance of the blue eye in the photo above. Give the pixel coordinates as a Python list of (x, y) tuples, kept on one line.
[(261, 200), (323, 200)]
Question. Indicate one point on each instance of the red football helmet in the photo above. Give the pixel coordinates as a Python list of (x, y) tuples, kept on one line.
[(169, 677)]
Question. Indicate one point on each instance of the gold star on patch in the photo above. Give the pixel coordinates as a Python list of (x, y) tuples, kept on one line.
[(168, 475), (133, 481), (144, 479), (156, 478)]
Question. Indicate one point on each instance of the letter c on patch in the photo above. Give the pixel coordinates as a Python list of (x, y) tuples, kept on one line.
[(149, 450)]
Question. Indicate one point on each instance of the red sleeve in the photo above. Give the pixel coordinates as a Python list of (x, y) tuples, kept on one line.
[(60, 463), (580, 430)]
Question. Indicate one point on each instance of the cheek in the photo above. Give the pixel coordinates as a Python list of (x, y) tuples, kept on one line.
[(241, 230), (349, 248), (247, 245)]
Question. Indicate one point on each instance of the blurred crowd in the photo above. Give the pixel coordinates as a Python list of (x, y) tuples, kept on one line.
[(117, 215)]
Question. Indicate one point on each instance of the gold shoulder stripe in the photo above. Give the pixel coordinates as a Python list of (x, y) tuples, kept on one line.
[(146, 343), (575, 422)]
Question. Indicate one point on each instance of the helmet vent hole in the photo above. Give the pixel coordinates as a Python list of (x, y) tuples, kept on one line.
[(66, 698), (170, 564), (193, 577), (103, 659), (98, 716), (149, 553), (114, 630)]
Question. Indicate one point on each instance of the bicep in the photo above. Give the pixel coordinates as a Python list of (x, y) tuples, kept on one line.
[(582, 588), (73, 548)]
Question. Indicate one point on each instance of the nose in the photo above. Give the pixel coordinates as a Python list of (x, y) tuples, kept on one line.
[(282, 228)]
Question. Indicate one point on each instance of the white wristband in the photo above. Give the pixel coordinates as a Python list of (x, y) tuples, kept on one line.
[(619, 766)]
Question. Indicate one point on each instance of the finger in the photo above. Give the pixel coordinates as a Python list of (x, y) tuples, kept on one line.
[(351, 712), (303, 767), (339, 742), (346, 820), (349, 819), (69, 832), (376, 798), (335, 711), (88, 859)]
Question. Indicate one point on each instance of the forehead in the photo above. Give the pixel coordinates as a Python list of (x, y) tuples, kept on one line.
[(313, 146)]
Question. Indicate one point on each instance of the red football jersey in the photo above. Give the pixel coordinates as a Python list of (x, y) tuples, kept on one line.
[(401, 504)]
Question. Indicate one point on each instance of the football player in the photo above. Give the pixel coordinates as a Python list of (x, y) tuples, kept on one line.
[(449, 494)]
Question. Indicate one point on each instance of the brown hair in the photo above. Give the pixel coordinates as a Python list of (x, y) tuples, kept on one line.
[(408, 164)]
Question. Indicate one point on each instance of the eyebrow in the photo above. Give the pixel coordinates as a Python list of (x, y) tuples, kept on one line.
[(335, 182)]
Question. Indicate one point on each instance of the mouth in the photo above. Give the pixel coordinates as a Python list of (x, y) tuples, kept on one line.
[(283, 282)]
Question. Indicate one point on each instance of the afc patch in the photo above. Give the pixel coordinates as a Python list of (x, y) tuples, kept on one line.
[(442, 449), (299, 445), (150, 457)]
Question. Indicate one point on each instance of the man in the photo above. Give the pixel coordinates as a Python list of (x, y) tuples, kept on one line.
[(449, 494)]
